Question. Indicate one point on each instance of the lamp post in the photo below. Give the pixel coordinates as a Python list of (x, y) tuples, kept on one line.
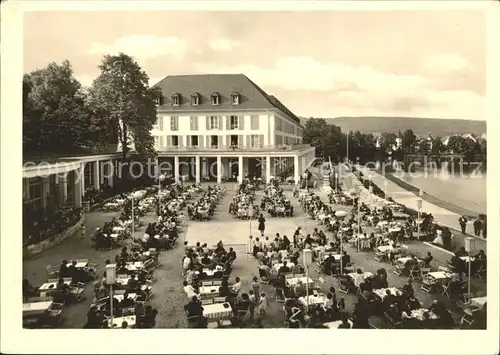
[(111, 280), (161, 178), (357, 193), (135, 195), (469, 248), (419, 211), (307, 258), (385, 189), (250, 216), (341, 215)]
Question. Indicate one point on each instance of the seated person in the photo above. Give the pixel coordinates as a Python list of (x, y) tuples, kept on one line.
[(231, 255), (126, 302), (461, 252), (63, 270), (189, 289), (345, 323), (427, 260), (408, 290), (389, 299), (284, 269), (94, 318), (359, 278), (205, 261), (412, 303), (194, 308), (243, 303), (236, 288)]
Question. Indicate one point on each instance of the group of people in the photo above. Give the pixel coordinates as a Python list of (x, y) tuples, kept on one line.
[(204, 207), (243, 204), (275, 202)]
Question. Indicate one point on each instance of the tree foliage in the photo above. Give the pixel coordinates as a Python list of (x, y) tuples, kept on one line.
[(124, 104), (56, 117)]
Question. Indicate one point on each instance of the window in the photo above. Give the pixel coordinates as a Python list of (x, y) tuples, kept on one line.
[(175, 141), (193, 123), (213, 122), (195, 99), (254, 122), (160, 123), (255, 141), (235, 98), (194, 141), (157, 142), (159, 100), (174, 123), (176, 100), (214, 141), (215, 99), (234, 122)]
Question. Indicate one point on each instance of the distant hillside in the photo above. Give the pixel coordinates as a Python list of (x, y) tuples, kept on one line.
[(420, 126)]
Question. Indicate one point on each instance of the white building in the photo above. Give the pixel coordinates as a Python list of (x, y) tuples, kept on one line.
[(223, 126)]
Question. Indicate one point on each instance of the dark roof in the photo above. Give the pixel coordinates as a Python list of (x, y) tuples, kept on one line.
[(251, 96)]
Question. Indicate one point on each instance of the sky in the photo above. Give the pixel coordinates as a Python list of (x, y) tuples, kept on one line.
[(319, 64)]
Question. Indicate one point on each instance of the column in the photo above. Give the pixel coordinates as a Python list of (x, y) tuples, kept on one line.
[(219, 170), (63, 188), (240, 169), (176, 168), (296, 169), (197, 169), (96, 178), (77, 189), (111, 173), (82, 178), (268, 169), (45, 190)]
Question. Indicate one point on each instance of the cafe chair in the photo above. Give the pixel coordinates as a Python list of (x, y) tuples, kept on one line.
[(52, 272), (446, 289), (380, 257), (219, 299), (424, 271), (480, 272), (392, 322), (280, 296), (348, 268), (207, 301), (206, 283), (399, 269), (415, 272), (217, 283)]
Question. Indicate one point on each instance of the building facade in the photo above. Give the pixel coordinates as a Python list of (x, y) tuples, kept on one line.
[(223, 127)]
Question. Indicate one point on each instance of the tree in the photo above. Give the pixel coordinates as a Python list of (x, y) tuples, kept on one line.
[(125, 104), (408, 141), (56, 118)]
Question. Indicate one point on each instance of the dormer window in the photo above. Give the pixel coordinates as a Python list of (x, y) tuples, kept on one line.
[(195, 99), (235, 98), (215, 98), (176, 99), (159, 100)]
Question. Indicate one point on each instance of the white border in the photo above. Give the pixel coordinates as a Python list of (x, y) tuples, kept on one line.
[(16, 340)]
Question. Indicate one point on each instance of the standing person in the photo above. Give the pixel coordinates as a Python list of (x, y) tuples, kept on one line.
[(477, 227), (463, 223), (262, 224)]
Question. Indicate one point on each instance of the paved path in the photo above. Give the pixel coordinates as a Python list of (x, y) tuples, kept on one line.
[(409, 199)]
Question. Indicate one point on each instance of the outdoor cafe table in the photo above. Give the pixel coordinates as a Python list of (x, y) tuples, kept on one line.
[(118, 229), (314, 300), (403, 260), (366, 275), (117, 322), (478, 301), (335, 324), (79, 264), (419, 314), (295, 280), (336, 257), (134, 266), (36, 308), (382, 292), (48, 286), (385, 248), (439, 276), (132, 296), (217, 310), (209, 290), (277, 266)]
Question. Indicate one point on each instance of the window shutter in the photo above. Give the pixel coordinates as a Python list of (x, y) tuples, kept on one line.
[(241, 123), (248, 142), (228, 122), (181, 141), (169, 141), (207, 118), (240, 141), (221, 122), (219, 141), (201, 141), (228, 141), (188, 141), (261, 141)]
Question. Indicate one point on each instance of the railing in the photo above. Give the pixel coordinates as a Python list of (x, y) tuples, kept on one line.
[(281, 148)]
